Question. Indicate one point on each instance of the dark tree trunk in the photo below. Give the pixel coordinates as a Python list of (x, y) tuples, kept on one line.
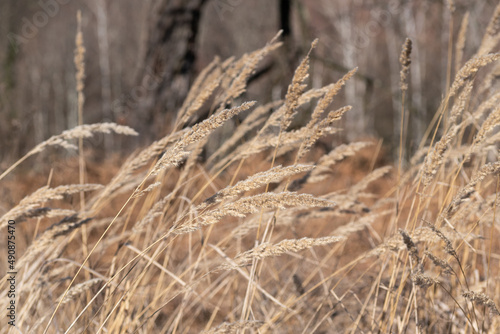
[(168, 64), (285, 12)]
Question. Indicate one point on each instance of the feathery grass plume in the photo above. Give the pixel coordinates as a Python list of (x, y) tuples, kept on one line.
[(327, 99), (288, 141), (200, 100), (115, 188), (136, 162), (80, 62), (460, 103), (448, 244), (306, 97), (319, 130), (176, 153), (488, 104), (191, 162), (263, 140), (447, 269), (54, 270), (232, 69), (460, 236), (305, 200), (491, 122), (489, 206), (435, 158), (418, 159), (155, 212), (80, 131), (252, 204), (273, 175), (492, 35), (395, 243), (465, 211), (252, 223), (298, 139), (289, 245), (80, 85), (27, 205), (140, 193), (405, 61), (203, 78), (202, 88), (154, 150), (325, 162), (296, 89), (314, 93), (410, 246), (40, 212), (487, 84), (288, 217), (201, 130), (347, 204), (470, 68), (460, 45), (50, 213), (359, 224), (236, 76), (341, 152), (494, 25), (298, 215), (323, 167), (79, 289), (374, 175), (234, 327), (48, 237), (489, 145), (423, 281), (466, 191), (481, 299), (252, 121)]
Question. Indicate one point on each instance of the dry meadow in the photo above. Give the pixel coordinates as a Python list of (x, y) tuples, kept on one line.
[(265, 231)]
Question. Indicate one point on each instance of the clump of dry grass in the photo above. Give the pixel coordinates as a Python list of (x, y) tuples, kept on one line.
[(250, 240), (234, 327), (267, 250), (470, 68), (481, 299), (29, 207), (63, 140)]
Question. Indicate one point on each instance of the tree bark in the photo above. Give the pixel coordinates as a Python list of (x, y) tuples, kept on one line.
[(168, 63)]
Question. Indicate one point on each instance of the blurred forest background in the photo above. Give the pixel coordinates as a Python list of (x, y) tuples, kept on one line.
[(142, 57)]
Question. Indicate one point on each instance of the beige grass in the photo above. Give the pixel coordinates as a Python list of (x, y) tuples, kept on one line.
[(267, 235)]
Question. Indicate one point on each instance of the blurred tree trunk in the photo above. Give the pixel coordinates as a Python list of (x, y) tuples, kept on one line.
[(8, 59), (104, 66), (168, 68), (393, 52), (356, 122)]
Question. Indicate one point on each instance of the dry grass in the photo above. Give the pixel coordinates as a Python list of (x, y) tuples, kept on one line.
[(266, 234)]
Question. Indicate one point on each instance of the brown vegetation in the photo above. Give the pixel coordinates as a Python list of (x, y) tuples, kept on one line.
[(268, 233)]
